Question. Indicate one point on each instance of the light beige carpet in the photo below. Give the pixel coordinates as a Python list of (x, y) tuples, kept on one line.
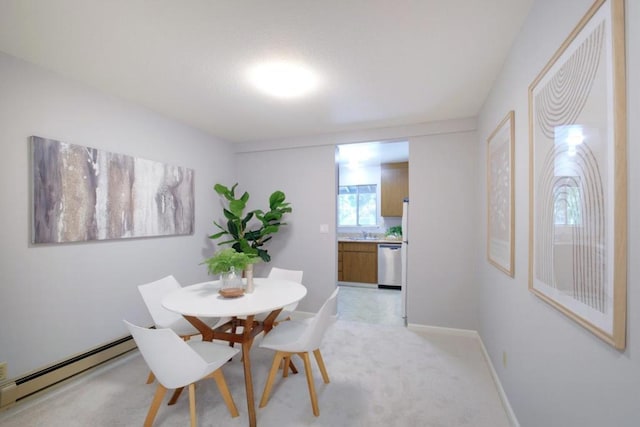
[(380, 376)]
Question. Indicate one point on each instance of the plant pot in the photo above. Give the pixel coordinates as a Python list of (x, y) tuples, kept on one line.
[(230, 280)]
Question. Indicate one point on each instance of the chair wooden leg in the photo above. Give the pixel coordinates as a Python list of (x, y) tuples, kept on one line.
[(234, 329), (323, 369), (150, 378), (292, 366), (285, 366), (175, 396), (272, 374), (312, 388), (155, 404), (192, 404), (218, 376)]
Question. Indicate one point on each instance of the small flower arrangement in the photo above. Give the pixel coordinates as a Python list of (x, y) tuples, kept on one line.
[(225, 260)]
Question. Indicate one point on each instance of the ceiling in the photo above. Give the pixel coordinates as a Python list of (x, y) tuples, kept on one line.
[(381, 62)]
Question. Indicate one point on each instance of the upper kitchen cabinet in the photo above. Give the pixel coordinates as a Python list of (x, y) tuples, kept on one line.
[(394, 187)]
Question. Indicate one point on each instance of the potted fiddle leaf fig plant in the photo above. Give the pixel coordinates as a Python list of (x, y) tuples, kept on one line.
[(243, 234)]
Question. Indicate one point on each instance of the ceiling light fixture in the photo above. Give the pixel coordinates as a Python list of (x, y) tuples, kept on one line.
[(283, 79)]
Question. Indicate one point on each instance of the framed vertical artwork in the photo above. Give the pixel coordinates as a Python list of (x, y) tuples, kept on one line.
[(500, 201), (82, 193), (578, 189)]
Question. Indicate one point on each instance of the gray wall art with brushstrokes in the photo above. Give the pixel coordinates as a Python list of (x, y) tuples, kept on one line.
[(82, 193)]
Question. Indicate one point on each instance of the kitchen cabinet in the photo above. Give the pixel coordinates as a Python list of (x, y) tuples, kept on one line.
[(358, 262), (394, 187), (340, 274)]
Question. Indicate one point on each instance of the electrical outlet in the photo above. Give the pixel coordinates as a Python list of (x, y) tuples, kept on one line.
[(504, 359), (3, 371)]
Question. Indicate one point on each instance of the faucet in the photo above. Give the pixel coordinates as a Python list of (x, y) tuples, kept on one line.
[(365, 235)]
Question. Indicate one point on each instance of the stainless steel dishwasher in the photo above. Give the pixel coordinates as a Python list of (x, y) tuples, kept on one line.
[(389, 266)]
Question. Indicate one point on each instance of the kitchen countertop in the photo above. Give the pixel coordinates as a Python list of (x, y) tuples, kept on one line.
[(368, 240)]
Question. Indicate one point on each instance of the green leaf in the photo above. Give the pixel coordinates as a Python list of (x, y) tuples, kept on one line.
[(228, 214), (246, 219), (273, 215), (226, 242), (277, 197), (220, 189), (252, 235), (233, 229), (264, 255), (237, 207), (269, 229), (223, 191), (246, 248), (218, 235), (233, 190)]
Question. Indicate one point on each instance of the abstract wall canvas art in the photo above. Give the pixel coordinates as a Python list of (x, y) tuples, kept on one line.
[(577, 245), (500, 203), (82, 193)]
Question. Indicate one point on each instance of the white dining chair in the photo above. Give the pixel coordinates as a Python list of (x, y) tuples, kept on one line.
[(300, 337), (284, 274), (152, 294), (177, 363)]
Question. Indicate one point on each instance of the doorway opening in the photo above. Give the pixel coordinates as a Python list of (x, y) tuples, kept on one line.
[(372, 185)]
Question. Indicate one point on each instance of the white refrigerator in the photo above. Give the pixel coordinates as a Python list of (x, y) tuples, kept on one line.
[(404, 256)]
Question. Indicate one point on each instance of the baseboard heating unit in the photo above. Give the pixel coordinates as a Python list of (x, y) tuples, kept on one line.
[(15, 389)]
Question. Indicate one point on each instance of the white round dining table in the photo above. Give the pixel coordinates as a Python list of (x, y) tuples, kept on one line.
[(204, 300)]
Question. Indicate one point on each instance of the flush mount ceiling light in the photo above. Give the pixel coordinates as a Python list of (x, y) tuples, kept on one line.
[(283, 79)]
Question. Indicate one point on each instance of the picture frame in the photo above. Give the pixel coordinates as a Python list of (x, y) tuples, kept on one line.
[(578, 188), (84, 194), (500, 195)]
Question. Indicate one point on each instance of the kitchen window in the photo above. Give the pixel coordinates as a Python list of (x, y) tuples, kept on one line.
[(357, 205)]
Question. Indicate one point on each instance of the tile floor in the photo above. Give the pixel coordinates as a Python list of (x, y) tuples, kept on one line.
[(370, 305)]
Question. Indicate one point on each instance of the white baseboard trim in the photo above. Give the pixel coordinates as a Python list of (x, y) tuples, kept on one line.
[(302, 315), (64, 386), (441, 330), (473, 334), (496, 380)]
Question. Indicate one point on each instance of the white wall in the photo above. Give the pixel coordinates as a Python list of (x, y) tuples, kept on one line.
[(557, 373), (308, 177), (444, 203), (443, 230), (65, 299), (58, 300)]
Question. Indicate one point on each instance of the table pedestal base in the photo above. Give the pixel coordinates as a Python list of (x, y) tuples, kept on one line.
[(228, 332)]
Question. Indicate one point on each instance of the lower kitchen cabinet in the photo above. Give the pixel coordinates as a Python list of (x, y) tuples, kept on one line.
[(358, 262)]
